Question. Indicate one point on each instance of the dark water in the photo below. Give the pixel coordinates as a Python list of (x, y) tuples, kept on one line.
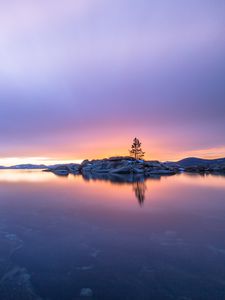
[(159, 239)]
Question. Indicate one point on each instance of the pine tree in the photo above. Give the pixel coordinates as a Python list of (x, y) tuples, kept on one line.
[(136, 150)]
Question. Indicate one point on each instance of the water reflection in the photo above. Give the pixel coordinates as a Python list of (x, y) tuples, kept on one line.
[(136, 181), (139, 189), (66, 234), (115, 178), (24, 176)]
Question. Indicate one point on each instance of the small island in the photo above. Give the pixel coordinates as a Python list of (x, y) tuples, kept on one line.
[(115, 165), (134, 165)]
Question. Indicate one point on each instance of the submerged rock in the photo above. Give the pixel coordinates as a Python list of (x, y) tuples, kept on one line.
[(86, 292)]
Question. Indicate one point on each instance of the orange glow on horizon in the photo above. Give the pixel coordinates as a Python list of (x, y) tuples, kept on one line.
[(153, 152)]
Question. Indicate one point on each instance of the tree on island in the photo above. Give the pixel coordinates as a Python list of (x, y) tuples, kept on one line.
[(136, 150)]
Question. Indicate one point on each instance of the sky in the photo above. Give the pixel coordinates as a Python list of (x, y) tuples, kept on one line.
[(80, 79)]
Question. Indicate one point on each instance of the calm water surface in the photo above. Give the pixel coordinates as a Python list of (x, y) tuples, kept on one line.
[(159, 239)]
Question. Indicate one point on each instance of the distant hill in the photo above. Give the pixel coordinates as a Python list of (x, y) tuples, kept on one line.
[(25, 166), (32, 166), (194, 161)]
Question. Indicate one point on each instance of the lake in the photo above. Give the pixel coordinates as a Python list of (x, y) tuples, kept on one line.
[(70, 238)]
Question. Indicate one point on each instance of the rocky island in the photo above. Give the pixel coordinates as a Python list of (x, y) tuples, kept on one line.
[(115, 165), (126, 165)]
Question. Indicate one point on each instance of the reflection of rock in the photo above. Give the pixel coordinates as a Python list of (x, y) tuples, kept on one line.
[(114, 178), (139, 189), (161, 172), (137, 181)]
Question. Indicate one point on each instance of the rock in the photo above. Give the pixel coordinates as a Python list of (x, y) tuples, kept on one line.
[(64, 170), (61, 170), (122, 170), (74, 168), (152, 164), (114, 165), (119, 158), (138, 170), (84, 162), (86, 168), (86, 292)]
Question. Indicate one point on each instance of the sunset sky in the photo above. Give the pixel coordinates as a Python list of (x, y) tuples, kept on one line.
[(80, 79)]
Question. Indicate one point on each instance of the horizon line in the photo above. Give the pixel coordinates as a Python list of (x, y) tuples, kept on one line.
[(15, 161)]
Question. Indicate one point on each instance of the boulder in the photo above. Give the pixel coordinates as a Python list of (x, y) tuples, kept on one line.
[(138, 170), (152, 164), (119, 158), (61, 170), (122, 170)]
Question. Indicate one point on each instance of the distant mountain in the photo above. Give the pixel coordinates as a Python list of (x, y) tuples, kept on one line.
[(194, 161), (25, 166), (32, 166)]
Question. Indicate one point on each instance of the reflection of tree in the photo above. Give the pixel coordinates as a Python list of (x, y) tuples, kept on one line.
[(139, 189)]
